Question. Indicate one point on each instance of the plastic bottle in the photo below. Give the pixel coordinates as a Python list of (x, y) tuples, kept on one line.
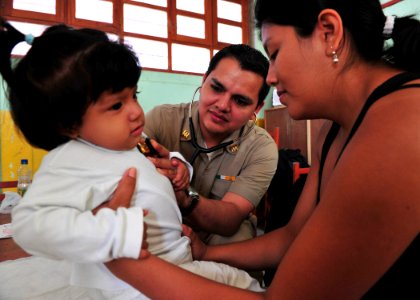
[(24, 177)]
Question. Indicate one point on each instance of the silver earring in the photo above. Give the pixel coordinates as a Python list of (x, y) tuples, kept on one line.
[(335, 57)]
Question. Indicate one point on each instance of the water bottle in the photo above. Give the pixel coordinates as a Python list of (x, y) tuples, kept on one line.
[(24, 177)]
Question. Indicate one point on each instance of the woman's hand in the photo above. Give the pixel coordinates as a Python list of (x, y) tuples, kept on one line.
[(122, 198), (123, 194), (173, 168), (198, 247)]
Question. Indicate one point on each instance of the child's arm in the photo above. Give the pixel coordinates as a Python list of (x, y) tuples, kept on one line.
[(58, 225), (173, 165)]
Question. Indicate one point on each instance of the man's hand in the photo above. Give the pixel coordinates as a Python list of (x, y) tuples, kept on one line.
[(174, 169), (198, 248), (182, 199)]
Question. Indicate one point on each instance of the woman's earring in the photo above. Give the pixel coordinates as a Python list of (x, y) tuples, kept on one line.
[(334, 57)]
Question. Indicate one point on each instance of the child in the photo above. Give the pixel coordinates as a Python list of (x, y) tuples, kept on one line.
[(74, 94)]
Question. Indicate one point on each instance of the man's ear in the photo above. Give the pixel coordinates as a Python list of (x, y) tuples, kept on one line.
[(259, 106), (204, 79), (331, 31)]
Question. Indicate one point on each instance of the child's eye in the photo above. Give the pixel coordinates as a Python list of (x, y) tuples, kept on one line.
[(136, 93), (116, 106), (274, 55)]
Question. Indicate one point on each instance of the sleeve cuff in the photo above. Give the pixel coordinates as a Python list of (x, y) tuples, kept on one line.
[(132, 232)]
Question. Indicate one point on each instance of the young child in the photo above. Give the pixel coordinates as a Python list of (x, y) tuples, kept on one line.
[(74, 94)]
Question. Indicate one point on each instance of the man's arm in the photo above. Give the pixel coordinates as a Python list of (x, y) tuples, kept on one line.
[(225, 216), (221, 217)]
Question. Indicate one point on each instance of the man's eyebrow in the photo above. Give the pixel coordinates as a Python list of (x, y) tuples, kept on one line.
[(239, 96), (244, 98), (217, 83)]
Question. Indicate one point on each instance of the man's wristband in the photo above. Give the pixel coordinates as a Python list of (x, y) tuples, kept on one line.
[(194, 196)]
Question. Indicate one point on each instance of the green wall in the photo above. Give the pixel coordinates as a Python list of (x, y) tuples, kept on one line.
[(158, 88), (155, 88)]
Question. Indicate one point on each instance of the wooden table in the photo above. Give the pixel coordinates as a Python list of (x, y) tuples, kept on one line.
[(8, 248)]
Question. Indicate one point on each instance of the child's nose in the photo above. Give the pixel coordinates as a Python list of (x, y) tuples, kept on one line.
[(136, 111)]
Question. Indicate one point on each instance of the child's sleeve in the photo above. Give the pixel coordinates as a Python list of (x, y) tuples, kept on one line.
[(60, 225)]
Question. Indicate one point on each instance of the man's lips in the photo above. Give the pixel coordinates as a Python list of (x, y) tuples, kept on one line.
[(218, 117)]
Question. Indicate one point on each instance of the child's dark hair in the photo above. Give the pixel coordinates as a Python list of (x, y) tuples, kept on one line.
[(64, 72), (363, 20), (249, 59)]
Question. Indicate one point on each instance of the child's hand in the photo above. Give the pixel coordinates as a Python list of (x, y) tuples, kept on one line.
[(175, 169), (198, 248), (181, 179)]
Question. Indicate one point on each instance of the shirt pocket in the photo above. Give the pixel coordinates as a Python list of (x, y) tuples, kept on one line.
[(220, 188)]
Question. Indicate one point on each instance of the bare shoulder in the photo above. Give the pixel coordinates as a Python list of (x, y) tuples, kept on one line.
[(378, 171), (369, 211)]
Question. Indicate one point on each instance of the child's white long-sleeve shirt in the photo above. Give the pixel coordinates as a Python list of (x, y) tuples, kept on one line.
[(55, 218)]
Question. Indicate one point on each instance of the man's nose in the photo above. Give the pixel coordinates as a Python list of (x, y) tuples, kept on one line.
[(223, 102)]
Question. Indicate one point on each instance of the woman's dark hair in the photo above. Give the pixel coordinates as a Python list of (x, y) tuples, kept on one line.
[(64, 72), (249, 59), (363, 20)]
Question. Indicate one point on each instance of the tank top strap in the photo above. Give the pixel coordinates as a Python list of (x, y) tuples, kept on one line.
[(392, 84)]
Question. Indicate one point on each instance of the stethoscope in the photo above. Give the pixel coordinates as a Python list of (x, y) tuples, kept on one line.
[(199, 149)]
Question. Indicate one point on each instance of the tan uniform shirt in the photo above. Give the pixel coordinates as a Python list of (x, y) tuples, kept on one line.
[(245, 167)]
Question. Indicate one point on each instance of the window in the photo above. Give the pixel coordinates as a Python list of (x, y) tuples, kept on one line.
[(168, 35)]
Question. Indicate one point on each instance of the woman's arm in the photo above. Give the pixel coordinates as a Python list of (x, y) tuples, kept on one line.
[(159, 279), (368, 214)]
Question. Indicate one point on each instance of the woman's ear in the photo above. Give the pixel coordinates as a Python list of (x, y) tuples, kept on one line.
[(330, 27)]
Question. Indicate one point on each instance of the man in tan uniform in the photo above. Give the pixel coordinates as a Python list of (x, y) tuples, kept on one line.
[(234, 160)]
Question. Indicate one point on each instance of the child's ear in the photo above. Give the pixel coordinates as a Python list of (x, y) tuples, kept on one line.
[(71, 133)]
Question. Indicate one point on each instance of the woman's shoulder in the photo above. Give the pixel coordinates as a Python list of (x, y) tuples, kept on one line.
[(384, 152), (396, 115)]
